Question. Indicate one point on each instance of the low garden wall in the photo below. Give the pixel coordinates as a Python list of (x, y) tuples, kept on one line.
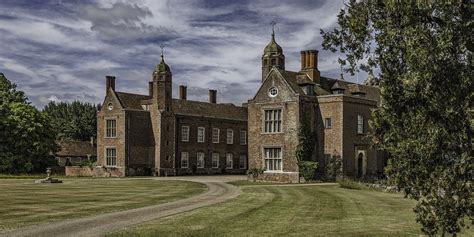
[(284, 177), (97, 171)]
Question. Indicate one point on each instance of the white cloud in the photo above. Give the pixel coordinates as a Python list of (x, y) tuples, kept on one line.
[(68, 54)]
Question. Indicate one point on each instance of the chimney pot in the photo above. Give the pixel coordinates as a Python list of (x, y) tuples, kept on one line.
[(303, 60), (183, 92), (110, 82), (213, 96)]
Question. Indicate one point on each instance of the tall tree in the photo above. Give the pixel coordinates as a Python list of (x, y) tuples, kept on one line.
[(424, 52), (26, 137), (76, 120)]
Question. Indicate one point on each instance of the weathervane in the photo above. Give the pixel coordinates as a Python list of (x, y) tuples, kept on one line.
[(162, 46), (273, 23)]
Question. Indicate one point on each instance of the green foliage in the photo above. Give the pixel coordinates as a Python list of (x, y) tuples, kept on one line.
[(333, 167), (26, 136), (307, 169), (304, 151), (424, 52), (76, 120), (351, 184), (255, 172)]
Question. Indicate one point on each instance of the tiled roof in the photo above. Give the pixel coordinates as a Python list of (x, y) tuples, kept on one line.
[(76, 148), (198, 108), (131, 101), (188, 107), (326, 85)]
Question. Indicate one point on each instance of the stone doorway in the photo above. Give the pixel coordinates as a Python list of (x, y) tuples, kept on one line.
[(360, 163)]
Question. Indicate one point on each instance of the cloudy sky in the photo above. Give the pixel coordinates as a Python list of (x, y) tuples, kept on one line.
[(61, 50)]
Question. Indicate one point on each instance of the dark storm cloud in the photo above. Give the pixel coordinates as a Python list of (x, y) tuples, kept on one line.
[(62, 50)]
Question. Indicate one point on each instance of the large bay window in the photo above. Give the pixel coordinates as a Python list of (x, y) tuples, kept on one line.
[(272, 122), (273, 161), (111, 157), (111, 128)]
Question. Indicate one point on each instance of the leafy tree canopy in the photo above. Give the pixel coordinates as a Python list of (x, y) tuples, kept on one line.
[(424, 52), (76, 120), (26, 137)]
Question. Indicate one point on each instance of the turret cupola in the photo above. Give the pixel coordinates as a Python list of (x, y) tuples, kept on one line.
[(162, 70), (272, 56)]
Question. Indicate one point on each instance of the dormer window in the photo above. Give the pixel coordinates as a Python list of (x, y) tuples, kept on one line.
[(359, 94), (309, 89), (338, 92)]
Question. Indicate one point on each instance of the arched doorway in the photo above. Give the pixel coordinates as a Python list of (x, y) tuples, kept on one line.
[(360, 162)]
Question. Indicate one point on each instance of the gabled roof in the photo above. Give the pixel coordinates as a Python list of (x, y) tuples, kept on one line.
[(131, 101), (198, 108), (297, 79), (76, 148)]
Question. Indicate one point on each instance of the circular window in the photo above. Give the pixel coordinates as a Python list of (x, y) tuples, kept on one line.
[(110, 106), (272, 92)]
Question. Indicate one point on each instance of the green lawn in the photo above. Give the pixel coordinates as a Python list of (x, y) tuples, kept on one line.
[(24, 203), (296, 211)]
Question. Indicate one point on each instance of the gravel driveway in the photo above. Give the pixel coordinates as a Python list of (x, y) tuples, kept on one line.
[(218, 191)]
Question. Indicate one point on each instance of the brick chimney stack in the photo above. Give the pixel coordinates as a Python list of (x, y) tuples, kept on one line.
[(109, 83), (309, 64), (213, 96), (183, 92)]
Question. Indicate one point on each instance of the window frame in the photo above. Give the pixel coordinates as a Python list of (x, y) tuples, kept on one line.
[(326, 124), (182, 133), (113, 130), (182, 159), (229, 161), (213, 135), (360, 124), (273, 158), (272, 121), (231, 133), (244, 161), (203, 136), (244, 133), (107, 148), (215, 155), (200, 156)]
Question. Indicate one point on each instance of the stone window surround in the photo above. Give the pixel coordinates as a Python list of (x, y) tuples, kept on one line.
[(328, 122), (360, 124), (227, 156), (200, 156), (243, 137), (213, 155), (282, 158), (105, 120), (218, 133), (105, 155), (187, 136), (203, 136), (184, 155), (263, 109)]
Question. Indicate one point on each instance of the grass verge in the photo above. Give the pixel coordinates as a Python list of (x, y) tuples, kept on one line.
[(325, 210), (26, 203)]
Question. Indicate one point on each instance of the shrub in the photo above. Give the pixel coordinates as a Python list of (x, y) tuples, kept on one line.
[(307, 169), (255, 172)]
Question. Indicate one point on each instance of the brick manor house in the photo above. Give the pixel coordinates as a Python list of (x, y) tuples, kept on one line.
[(156, 134)]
